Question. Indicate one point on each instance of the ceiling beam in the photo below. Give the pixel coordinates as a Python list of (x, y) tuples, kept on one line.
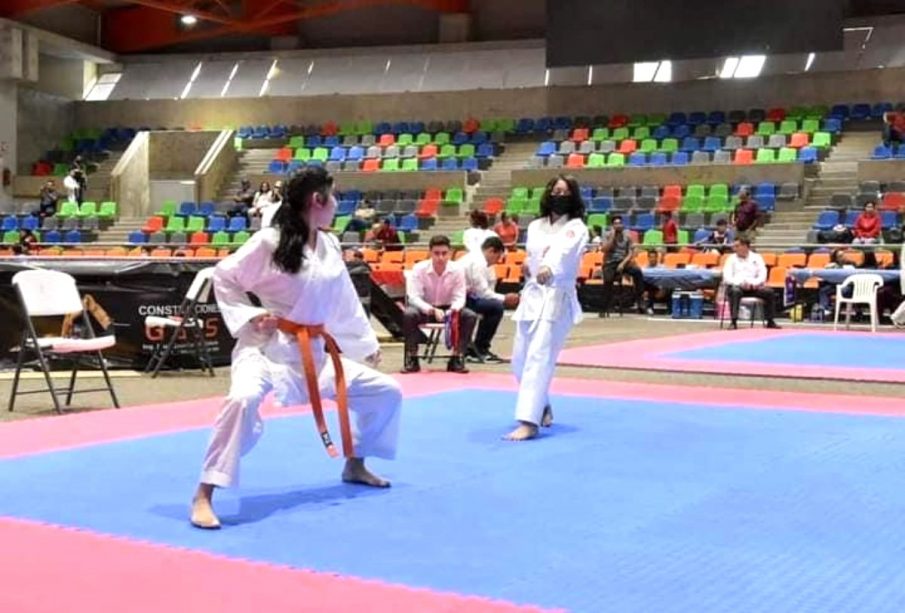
[(137, 29), (17, 8), (184, 9)]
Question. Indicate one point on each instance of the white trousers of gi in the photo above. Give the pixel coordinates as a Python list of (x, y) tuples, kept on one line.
[(374, 398), (534, 354)]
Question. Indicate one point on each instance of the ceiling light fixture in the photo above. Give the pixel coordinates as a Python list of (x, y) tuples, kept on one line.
[(188, 20)]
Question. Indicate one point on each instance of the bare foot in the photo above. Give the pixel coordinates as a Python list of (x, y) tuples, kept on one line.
[(356, 472), (203, 515), (524, 432), (547, 420)]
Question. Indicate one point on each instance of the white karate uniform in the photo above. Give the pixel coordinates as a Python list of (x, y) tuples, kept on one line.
[(473, 238), (320, 293), (546, 313)]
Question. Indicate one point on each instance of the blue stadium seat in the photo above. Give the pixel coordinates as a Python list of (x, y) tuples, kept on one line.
[(851, 217), (681, 131), (276, 167), (658, 158), (690, 143), (73, 236), (485, 150), (138, 237), (765, 189), (715, 118), (206, 209), (10, 222), (216, 223), (881, 152), (543, 125), (52, 237), (450, 163), (525, 125), (237, 223), (643, 222), (840, 111), (861, 111), (833, 125), (382, 128), (600, 204), (546, 148), (661, 132), (429, 164), (30, 223), (808, 155), (697, 118), (877, 111), (826, 220), (337, 154), (409, 223), (676, 119), (637, 159), (470, 164), (889, 219), (460, 138), (700, 235), (712, 144), (186, 209), (680, 158)]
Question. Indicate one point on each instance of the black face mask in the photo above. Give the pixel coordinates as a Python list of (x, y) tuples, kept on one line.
[(560, 205)]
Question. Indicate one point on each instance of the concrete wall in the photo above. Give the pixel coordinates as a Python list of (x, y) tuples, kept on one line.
[(219, 165), (44, 121), (62, 77), (178, 154), (8, 131), (826, 88), (883, 171), (383, 180), (682, 175), (129, 181)]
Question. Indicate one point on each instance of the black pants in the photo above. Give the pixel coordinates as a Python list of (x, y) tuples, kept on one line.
[(491, 312), (412, 318), (736, 294), (609, 277)]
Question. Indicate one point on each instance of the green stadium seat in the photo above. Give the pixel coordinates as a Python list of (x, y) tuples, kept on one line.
[(107, 210)]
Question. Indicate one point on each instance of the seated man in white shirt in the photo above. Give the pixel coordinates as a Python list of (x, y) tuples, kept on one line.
[(481, 297), (745, 274), (436, 288)]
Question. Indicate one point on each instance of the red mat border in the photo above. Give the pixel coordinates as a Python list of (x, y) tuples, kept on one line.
[(651, 354)]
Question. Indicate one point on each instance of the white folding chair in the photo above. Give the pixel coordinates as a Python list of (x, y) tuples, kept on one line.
[(189, 320), (50, 293), (864, 291)]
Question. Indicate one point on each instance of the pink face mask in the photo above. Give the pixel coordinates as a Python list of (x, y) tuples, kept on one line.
[(322, 212)]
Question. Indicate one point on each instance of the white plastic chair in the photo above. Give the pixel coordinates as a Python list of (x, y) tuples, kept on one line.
[(864, 291), (50, 293), (189, 320)]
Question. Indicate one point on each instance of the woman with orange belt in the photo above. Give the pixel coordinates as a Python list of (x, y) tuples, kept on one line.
[(309, 312)]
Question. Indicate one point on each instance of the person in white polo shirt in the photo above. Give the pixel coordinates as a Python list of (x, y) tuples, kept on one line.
[(745, 275)]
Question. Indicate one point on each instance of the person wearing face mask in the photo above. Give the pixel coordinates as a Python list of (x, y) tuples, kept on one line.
[(309, 313), (548, 305)]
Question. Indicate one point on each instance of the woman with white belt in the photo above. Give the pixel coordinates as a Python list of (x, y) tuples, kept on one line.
[(549, 305)]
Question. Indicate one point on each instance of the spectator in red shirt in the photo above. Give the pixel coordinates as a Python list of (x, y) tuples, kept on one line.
[(507, 230), (387, 236), (893, 128), (670, 229), (867, 226)]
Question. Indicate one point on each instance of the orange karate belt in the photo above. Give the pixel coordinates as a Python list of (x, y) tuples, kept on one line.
[(303, 335)]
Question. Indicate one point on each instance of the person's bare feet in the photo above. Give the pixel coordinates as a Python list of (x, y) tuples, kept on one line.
[(203, 515), (523, 432), (356, 472), (547, 420)]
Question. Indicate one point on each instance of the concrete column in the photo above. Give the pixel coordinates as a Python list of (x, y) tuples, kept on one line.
[(9, 113)]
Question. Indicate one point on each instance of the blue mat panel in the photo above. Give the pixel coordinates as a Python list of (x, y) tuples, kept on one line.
[(625, 506), (842, 351)]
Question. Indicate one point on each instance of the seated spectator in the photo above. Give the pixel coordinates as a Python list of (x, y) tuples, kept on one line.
[(27, 242), (363, 217), (481, 297), (655, 294), (387, 237), (436, 290), (507, 230), (371, 235), (47, 207), (826, 291), (718, 240), (475, 236), (596, 238), (670, 229), (261, 198), (868, 226), (619, 253), (893, 127), (243, 199), (745, 274)]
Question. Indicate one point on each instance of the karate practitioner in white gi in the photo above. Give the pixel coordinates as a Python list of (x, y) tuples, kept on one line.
[(298, 274), (549, 304)]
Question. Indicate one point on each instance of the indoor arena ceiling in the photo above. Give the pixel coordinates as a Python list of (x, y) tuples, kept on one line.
[(153, 26)]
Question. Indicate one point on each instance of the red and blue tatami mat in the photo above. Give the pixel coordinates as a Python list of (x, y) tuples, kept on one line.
[(850, 356), (640, 498)]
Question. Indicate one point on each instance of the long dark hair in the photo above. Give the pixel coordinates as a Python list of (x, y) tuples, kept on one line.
[(291, 220), (577, 208)]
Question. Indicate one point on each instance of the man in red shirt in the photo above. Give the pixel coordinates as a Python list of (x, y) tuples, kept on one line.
[(893, 128), (670, 229), (507, 230), (387, 236), (867, 226)]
